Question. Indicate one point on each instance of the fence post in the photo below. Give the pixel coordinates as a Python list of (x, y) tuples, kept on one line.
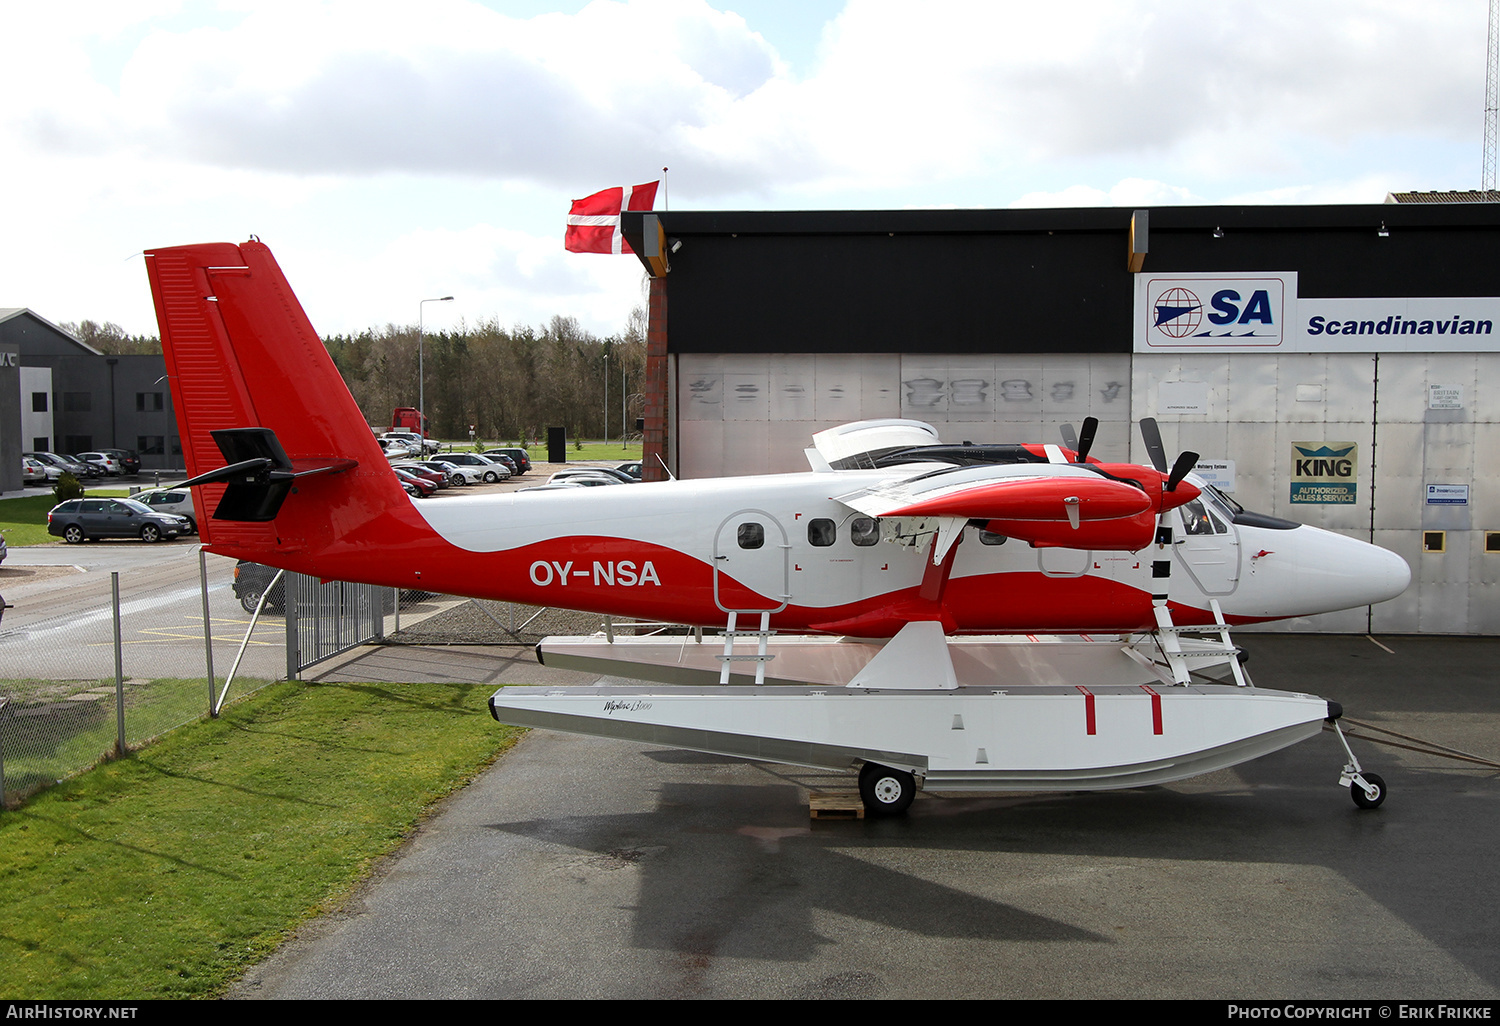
[(114, 587), (289, 609), (208, 631), (3, 703)]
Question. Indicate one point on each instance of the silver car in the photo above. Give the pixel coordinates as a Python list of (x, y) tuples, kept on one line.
[(178, 501)]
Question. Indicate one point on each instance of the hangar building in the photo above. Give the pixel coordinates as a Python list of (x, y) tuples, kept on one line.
[(1334, 365)]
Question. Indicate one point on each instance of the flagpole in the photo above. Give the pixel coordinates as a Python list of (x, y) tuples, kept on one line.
[(666, 191)]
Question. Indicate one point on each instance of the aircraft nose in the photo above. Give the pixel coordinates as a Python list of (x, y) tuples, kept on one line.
[(1345, 572)]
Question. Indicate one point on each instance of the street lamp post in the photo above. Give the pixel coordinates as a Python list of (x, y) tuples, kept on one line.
[(421, 370), (606, 396)]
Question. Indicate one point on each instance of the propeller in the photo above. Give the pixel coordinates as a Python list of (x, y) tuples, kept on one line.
[(1081, 444), (1086, 438), (1151, 434), (1186, 460)]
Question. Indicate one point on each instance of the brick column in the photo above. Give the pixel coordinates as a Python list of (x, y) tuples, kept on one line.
[(657, 399)]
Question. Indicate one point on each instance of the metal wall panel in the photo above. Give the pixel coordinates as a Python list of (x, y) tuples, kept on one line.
[(755, 413), (1457, 590)]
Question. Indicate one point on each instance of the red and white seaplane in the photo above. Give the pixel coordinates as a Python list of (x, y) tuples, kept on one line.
[(982, 617)]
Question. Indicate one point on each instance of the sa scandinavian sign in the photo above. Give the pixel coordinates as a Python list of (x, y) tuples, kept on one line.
[(1325, 473), (1261, 312)]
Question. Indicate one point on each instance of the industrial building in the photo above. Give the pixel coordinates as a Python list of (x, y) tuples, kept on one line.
[(1333, 365), (59, 395)]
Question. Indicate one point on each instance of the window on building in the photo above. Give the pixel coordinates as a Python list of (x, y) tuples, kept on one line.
[(147, 402), (41, 445), (78, 402), (150, 445), (39, 402), (78, 443)]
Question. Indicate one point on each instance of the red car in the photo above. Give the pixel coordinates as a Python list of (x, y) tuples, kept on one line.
[(413, 484)]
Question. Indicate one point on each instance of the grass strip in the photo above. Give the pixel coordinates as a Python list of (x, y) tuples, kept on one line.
[(23, 520), (168, 873)]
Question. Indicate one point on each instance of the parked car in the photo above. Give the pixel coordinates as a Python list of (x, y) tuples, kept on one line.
[(588, 477), (426, 473), (91, 519), (178, 501), (130, 461), (615, 476), (63, 464), (633, 469), (110, 465), (490, 471), (413, 441), (251, 581), (35, 472), (414, 485), (457, 473), (519, 457), (502, 459), (91, 469)]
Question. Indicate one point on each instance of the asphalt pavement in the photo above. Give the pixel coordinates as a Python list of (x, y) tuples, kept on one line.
[(588, 868)]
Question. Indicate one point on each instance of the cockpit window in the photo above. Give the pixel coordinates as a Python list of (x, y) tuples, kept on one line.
[(1198, 519)]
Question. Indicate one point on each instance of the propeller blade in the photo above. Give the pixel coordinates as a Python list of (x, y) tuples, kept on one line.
[(1086, 439), (1069, 436), (1152, 436), (1185, 463)]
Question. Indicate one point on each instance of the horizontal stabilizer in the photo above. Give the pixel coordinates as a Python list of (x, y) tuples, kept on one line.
[(259, 474)]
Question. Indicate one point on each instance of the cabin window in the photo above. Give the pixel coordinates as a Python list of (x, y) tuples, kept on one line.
[(864, 531), (991, 538), (751, 536), (821, 532)]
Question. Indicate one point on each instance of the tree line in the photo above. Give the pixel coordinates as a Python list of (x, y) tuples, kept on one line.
[(509, 383)]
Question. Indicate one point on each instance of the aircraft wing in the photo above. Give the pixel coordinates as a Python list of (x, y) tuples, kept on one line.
[(1046, 504), (858, 444)]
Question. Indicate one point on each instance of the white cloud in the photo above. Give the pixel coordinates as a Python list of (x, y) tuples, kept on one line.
[(360, 133)]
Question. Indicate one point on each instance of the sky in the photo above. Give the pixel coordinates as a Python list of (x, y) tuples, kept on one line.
[(392, 152)]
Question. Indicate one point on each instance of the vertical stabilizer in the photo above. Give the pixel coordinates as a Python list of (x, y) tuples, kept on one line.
[(241, 353)]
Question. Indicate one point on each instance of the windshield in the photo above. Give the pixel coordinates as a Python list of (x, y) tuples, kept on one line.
[(1223, 500)]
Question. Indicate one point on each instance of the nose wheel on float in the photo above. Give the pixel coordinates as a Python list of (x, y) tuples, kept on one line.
[(1367, 789)]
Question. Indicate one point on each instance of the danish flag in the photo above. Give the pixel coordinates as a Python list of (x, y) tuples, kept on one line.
[(594, 221)]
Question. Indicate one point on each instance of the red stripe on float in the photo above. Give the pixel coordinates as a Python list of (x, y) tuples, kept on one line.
[(1088, 707), (1155, 708)]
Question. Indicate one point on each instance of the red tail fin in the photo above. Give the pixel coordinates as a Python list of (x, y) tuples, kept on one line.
[(241, 353)]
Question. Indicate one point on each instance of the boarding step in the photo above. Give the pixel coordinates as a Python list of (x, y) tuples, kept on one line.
[(1167, 639), (760, 657)]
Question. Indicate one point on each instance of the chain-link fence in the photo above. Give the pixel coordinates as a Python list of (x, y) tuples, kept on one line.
[(94, 663), (90, 666)]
